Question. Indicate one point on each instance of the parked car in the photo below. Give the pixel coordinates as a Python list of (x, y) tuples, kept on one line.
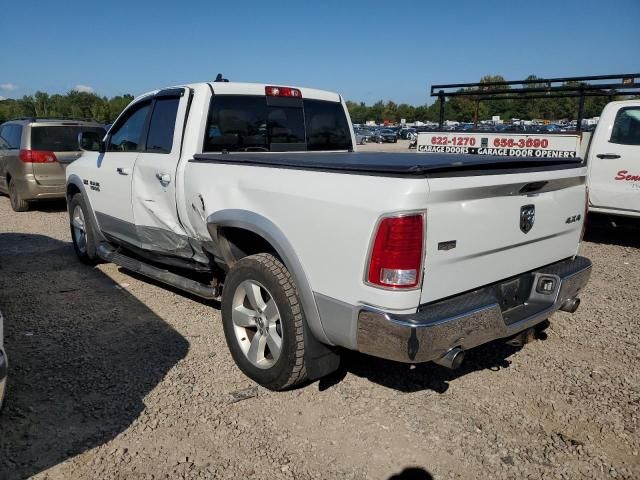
[(361, 137), (387, 135), (371, 134), (407, 133), (553, 128), (4, 365), (324, 247), (33, 156)]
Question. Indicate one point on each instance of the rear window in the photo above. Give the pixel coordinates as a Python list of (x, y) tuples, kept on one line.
[(246, 123), (63, 138)]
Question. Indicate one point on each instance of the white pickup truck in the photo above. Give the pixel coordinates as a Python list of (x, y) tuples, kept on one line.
[(254, 194), (612, 154)]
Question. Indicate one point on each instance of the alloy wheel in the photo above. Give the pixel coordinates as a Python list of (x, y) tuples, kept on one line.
[(257, 324)]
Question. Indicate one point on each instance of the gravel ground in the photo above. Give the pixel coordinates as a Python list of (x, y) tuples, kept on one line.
[(115, 377)]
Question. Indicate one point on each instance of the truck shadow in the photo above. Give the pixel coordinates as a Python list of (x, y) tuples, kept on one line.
[(83, 355), (625, 232), (427, 376)]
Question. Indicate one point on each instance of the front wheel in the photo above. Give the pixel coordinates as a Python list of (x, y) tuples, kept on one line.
[(263, 322), (82, 234)]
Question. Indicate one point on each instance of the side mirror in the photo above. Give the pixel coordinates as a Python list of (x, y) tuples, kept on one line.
[(91, 141)]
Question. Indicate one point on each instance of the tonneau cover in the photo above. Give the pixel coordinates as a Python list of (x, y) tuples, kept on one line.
[(391, 164)]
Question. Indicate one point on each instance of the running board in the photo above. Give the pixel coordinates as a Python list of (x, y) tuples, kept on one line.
[(108, 254)]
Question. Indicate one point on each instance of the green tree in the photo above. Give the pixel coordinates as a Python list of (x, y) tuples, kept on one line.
[(74, 104)]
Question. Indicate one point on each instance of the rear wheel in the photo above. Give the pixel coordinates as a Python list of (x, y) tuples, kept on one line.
[(81, 231), (17, 202), (263, 322)]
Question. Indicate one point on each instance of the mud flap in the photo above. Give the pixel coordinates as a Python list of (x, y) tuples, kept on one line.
[(320, 359)]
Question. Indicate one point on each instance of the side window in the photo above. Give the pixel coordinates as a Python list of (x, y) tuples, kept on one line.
[(162, 126), (626, 127), (11, 136), (126, 135)]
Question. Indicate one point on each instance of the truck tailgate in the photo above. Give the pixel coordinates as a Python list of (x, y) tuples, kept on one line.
[(474, 232)]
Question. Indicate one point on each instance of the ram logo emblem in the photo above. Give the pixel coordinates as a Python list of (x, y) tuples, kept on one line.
[(527, 217)]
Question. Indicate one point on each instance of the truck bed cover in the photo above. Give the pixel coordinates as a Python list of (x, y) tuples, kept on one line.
[(392, 164)]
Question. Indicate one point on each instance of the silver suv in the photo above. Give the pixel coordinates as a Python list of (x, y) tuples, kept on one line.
[(34, 154)]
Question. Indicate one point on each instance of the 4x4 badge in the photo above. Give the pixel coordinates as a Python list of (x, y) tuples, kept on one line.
[(527, 217)]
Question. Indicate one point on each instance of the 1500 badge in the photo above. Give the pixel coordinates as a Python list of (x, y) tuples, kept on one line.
[(92, 185)]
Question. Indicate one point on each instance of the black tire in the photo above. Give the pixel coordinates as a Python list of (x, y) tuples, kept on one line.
[(265, 269), (87, 252), (395, 140), (17, 203)]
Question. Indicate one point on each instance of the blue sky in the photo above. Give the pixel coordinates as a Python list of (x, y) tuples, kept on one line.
[(367, 51)]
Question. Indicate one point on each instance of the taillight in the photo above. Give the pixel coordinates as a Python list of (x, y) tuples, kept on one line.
[(397, 252), (282, 92), (37, 156)]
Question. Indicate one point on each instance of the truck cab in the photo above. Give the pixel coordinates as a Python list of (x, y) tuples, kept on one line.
[(614, 161)]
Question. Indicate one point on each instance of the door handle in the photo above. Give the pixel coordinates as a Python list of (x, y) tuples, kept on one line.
[(608, 156), (123, 171), (164, 178)]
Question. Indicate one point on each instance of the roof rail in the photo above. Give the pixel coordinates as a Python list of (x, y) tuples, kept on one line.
[(40, 119)]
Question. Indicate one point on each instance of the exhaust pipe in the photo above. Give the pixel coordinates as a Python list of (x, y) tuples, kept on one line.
[(452, 359), (570, 305)]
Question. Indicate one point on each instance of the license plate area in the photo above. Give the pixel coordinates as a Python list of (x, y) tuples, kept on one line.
[(514, 292)]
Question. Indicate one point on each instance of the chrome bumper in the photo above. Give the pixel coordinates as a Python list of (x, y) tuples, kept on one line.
[(469, 319)]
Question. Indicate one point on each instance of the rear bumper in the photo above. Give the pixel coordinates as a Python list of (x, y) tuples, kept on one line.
[(467, 320), (29, 189)]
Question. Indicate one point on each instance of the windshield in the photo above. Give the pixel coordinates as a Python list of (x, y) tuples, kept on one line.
[(59, 138), (251, 123)]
